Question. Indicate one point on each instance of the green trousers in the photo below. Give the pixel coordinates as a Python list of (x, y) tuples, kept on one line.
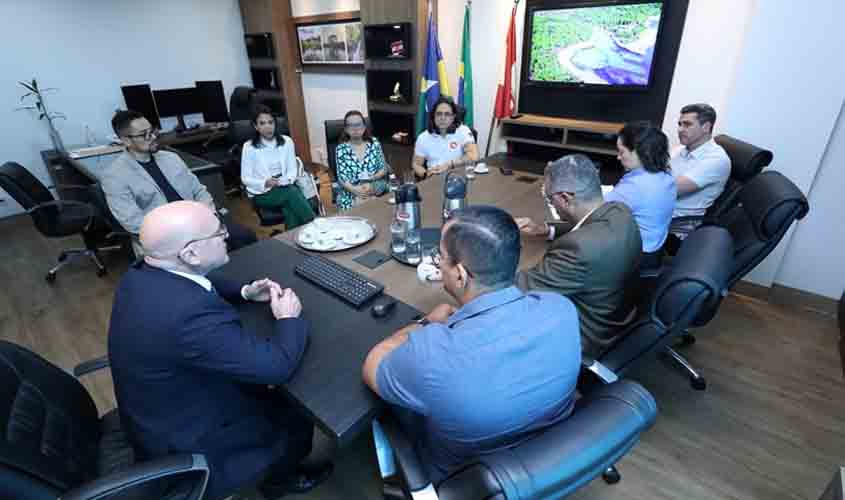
[(296, 208)]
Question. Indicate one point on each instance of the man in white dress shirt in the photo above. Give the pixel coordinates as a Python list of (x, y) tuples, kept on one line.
[(701, 168)]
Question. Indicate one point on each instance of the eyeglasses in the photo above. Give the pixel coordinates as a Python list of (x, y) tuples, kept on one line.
[(444, 115), (221, 231), (355, 126), (145, 134)]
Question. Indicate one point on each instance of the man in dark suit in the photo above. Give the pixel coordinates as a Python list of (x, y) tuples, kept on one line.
[(594, 261), (189, 378)]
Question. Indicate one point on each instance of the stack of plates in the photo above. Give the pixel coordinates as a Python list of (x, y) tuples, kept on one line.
[(327, 234)]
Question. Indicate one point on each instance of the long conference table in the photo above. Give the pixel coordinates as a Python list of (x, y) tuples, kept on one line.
[(328, 385)]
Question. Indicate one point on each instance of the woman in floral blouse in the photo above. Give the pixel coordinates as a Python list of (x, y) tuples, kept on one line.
[(361, 167)]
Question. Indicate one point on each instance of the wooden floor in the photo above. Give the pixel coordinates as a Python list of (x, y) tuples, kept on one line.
[(769, 426)]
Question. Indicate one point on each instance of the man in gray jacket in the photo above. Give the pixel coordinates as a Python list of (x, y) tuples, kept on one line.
[(593, 263), (143, 178)]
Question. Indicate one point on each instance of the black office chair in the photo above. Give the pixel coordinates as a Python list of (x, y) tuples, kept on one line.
[(334, 128), (603, 427), (242, 104), (53, 443), (124, 238), (55, 218), (764, 210), (694, 283), (747, 160)]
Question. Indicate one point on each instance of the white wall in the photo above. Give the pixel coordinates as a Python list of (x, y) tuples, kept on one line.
[(789, 89), (89, 49), (706, 67), (814, 258), (328, 96)]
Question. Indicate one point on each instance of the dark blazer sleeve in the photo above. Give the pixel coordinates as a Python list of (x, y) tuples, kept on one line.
[(213, 340), (561, 270), (228, 289)]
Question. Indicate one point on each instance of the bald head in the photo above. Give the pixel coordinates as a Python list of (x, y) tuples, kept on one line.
[(167, 229)]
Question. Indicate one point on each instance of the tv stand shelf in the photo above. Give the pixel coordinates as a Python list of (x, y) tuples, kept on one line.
[(563, 133)]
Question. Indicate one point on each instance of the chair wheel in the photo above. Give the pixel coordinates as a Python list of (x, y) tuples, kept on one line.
[(698, 383), (611, 475), (51, 277), (688, 339), (102, 272)]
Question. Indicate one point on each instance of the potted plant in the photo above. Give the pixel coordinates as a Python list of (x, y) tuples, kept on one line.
[(35, 95)]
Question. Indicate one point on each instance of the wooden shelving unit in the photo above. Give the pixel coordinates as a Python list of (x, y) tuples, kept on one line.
[(379, 12), (562, 133)]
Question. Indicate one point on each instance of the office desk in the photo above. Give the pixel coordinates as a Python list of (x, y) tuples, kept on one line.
[(328, 383), (520, 199)]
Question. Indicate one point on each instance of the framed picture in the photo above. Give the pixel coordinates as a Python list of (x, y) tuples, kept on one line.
[(334, 43)]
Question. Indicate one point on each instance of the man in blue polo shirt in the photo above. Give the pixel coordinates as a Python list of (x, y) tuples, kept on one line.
[(490, 373)]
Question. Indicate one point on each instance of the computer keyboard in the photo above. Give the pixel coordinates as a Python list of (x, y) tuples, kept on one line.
[(332, 277)]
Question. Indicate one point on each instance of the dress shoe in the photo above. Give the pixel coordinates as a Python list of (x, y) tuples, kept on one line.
[(305, 479)]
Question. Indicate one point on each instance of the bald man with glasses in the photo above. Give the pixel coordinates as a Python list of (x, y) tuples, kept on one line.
[(189, 378), (144, 177)]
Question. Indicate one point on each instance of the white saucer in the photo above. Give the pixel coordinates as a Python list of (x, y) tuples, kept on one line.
[(428, 273), (354, 238), (481, 169), (325, 245)]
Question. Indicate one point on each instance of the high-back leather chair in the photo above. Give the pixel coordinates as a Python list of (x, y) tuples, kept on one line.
[(242, 104), (603, 427), (692, 285), (747, 160), (54, 218), (765, 208), (53, 443)]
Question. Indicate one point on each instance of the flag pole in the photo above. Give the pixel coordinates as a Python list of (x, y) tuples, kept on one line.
[(493, 118)]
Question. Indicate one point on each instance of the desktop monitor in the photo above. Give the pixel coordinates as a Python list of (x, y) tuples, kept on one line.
[(178, 103), (213, 101), (140, 98)]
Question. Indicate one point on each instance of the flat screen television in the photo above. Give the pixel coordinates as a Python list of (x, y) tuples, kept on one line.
[(602, 44), (388, 41)]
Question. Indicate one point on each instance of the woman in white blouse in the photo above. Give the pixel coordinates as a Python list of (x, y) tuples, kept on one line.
[(269, 171), (446, 142)]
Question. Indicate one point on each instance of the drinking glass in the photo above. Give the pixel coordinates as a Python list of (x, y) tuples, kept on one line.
[(413, 247), (398, 228), (470, 172)]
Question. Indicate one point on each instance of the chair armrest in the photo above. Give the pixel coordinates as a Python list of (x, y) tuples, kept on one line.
[(605, 374), (145, 472), (59, 203), (409, 465), (59, 187), (91, 365), (602, 428)]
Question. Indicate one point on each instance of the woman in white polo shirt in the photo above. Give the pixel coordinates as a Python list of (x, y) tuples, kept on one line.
[(269, 171), (446, 143)]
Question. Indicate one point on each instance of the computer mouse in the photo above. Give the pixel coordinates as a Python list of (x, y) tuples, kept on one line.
[(382, 308)]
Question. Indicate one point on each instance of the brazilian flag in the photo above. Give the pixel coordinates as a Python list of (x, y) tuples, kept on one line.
[(465, 74)]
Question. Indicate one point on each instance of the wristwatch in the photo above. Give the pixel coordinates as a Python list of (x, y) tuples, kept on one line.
[(422, 321)]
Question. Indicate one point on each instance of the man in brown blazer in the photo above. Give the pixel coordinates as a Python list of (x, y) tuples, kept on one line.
[(593, 262)]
